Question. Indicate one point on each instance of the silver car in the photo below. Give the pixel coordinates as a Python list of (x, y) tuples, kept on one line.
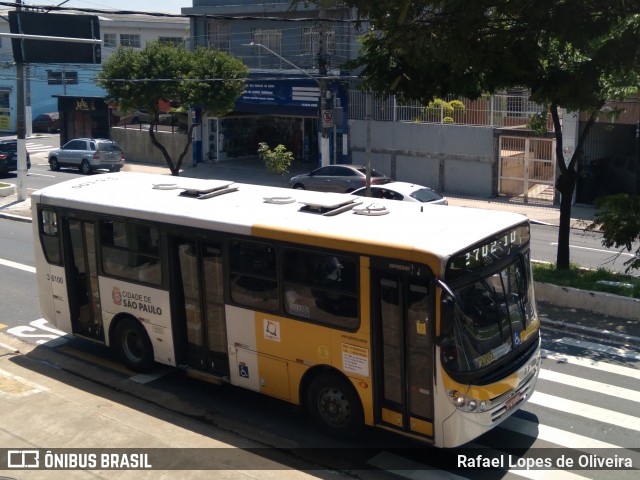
[(337, 178), (88, 154), (408, 192)]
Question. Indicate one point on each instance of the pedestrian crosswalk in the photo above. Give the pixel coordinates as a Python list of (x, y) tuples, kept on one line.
[(586, 406), (35, 147)]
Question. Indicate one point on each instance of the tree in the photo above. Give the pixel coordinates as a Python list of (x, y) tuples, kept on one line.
[(142, 78), (571, 54)]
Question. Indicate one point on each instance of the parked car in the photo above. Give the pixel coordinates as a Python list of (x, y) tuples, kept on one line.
[(88, 154), (46, 122), (337, 178), (9, 156), (408, 192)]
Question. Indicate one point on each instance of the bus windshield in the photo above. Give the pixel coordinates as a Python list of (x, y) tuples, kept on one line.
[(492, 316)]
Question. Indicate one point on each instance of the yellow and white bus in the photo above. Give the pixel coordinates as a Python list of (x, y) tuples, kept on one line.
[(414, 318)]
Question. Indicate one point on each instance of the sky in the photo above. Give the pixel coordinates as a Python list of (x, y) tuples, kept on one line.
[(163, 6)]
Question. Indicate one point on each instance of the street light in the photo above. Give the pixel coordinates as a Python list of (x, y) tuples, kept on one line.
[(323, 134)]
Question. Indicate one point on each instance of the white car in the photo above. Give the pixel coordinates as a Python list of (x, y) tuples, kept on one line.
[(408, 192)]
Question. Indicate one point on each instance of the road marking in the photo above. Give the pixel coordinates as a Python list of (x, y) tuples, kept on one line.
[(2, 325), (597, 347), (587, 411), (19, 266), (589, 363), (553, 435), (586, 384), (601, 250), (31, 174)]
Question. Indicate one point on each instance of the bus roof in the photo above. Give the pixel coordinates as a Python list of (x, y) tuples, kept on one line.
[(246, 209)]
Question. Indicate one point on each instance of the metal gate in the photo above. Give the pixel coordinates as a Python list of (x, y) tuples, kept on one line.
[(527, 168)]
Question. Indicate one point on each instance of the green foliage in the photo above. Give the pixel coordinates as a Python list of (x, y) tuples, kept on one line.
[(422, 49), (139, 79), (600, 280), (538, 123), (438, 108), (618, 217), (277, 160)]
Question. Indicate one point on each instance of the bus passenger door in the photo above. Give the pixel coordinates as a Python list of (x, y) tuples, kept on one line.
[(198, 305), (402, 316), (82, 278)]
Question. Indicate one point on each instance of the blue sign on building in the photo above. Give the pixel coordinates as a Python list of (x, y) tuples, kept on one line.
[(280, 96)]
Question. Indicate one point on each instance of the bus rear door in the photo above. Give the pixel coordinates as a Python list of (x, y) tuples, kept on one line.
[(402, 316), (82, 278), (198, 305)]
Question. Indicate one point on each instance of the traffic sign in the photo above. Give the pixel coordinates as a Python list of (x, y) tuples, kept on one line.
[(327, 118)]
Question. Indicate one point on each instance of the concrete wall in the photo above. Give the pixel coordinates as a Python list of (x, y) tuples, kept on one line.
[(137, 145), (451, 158)]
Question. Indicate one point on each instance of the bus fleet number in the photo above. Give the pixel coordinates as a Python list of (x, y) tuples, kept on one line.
[(55, 278)]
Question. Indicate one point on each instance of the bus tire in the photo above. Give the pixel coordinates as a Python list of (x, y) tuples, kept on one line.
[(133, 345), (335, 406)]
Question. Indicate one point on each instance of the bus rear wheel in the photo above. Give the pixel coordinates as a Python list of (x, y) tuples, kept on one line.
[(133, 345), (335, 406)]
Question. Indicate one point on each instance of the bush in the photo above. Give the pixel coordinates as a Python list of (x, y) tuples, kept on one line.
[(538, 123), (277, 160)]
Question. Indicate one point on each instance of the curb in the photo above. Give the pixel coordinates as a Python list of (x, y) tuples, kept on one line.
[(568, 297), (562, 326)]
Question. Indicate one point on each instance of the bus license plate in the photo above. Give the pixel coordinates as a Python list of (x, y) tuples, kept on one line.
[(513, 401)]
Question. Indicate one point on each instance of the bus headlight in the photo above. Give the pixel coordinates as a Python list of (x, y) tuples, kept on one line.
[(467, 403)]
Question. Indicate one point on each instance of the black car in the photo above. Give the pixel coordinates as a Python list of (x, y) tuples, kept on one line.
[(9, 156)]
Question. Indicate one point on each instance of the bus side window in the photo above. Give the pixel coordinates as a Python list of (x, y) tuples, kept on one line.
[(321, 287), (253, 275), (131, 250), (50, 235)]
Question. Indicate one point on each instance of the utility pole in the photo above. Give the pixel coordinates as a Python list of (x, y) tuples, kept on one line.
[(322, 70), (20, 126)]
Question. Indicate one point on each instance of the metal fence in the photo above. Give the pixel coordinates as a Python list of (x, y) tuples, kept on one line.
[(494, 111)]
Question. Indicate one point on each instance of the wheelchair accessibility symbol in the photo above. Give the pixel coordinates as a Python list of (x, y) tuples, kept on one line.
[(243, 370)]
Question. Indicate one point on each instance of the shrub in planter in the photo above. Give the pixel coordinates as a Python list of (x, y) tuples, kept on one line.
[(277, 160)]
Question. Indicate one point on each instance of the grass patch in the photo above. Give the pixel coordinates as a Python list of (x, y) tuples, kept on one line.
[(600, 280)]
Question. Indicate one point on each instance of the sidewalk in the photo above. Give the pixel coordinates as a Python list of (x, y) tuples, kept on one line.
[(58, 407), (624, 328)]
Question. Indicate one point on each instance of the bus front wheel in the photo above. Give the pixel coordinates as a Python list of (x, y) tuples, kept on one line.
[(133, 345), (335, 405)]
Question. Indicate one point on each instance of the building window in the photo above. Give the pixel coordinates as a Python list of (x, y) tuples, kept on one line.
[(109, 40), (177, 41), (62, 77), (311, 39), (218, 35), (269, 37), (130, 40)]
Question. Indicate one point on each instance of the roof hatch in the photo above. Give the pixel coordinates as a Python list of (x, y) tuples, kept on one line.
[(200, 189), (329, 205)]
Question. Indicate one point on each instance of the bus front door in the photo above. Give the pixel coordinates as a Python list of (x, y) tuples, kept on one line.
[(82, 278), (198, 305), (403, 326)]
